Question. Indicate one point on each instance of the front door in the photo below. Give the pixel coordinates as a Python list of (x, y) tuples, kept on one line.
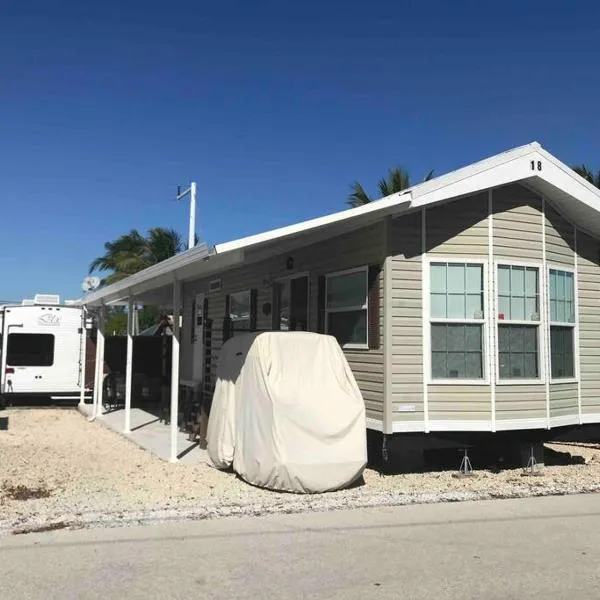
[(198, 336), (291, 305)]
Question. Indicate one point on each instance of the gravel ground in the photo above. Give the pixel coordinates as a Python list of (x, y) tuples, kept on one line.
[(90, 475)]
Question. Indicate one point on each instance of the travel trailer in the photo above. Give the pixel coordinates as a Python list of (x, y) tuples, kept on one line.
[(42, 349)]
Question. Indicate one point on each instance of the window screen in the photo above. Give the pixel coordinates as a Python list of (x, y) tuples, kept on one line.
[(456, 351), (30, 350), (518, 351)]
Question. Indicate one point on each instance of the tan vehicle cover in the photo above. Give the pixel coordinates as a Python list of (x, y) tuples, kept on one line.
[(287, 413)]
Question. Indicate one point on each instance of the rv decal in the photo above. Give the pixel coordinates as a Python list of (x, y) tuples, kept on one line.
[(51, 319)]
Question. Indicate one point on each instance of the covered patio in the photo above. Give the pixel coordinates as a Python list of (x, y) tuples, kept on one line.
[(148, 432), (160, 285)]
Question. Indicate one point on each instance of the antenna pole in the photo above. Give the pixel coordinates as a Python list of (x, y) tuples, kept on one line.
[(192, 233)]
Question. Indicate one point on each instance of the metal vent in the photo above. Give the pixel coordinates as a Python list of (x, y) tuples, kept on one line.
[(27, 302), (214, 285), (46, 299)]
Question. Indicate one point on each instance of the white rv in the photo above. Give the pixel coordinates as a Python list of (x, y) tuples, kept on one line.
[(42, 349)]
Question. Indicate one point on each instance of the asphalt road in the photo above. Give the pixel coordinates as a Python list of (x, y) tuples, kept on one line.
[(534, 548)]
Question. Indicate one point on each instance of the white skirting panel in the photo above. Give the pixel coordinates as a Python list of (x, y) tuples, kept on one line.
[(501, 425)]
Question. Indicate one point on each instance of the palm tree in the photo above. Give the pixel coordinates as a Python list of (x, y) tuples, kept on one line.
[(132, 252), (397, 180), (588, 174)]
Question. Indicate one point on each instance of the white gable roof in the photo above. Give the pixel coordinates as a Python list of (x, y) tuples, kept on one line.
[(529, 165)]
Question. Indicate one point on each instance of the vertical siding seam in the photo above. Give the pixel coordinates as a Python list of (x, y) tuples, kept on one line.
[(491, 345), (387, 347), (425, 320), (577, 349), (387, 332), (544, 316)]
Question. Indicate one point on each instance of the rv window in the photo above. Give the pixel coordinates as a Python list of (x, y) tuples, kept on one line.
[(30, 350)]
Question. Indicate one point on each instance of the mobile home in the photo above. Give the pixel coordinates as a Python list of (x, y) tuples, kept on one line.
[(468, 303), (42, 349)]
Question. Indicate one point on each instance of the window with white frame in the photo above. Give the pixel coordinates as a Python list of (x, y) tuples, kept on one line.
[(518, 318), (561, 291), (346, 307), (239, 310), (457, 319)]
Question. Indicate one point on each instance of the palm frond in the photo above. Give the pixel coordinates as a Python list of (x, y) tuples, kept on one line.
[(397, 180), (358, 196)]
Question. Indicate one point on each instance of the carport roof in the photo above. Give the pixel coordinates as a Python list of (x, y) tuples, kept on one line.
[(529, 165)]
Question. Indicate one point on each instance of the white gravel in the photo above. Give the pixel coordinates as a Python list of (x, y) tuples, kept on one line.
[(96, 477)]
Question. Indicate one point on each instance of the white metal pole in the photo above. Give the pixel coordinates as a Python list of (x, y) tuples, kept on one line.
[(129, 366), (175, 371), (101, 343), (97, 368), (192, 234), (83, 358)]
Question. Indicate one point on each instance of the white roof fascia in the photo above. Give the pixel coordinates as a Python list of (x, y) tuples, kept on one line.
[(512, 171), (517, 169), (400, 201), (487, 164), (564, 178)]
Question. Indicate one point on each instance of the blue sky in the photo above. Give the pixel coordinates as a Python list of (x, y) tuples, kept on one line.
[(273, 107)]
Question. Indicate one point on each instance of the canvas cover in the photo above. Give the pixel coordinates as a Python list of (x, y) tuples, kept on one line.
[(287, 413)]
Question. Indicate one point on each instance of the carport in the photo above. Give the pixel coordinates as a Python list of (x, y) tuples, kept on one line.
[(160, 285)]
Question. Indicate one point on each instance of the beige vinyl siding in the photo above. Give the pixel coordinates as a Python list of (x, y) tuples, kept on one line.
[(363, 247), (560, 239), (406, 345), (517, 224), (588, 279), (563, 399), (460, 403), (459, 228), (516, 401)]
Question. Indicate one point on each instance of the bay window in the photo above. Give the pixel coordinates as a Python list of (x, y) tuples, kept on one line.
[(561, 291), (457, 320), (518, 318)]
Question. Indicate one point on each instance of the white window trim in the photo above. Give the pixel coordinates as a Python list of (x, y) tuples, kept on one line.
[(365, 306), (232, 321), (574, 326), (485, 380), (541, 380)]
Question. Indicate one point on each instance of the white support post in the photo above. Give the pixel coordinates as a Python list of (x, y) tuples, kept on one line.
[(129, 366), (101, 343), (192, 232), (82, 364), (175, 371), (97, 368)]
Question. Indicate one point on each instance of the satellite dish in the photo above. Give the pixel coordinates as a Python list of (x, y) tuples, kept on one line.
[(90, 283)]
